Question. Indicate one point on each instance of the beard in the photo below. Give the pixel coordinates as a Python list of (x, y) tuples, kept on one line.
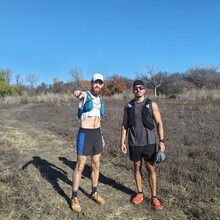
[(138, 96), (96, 91)]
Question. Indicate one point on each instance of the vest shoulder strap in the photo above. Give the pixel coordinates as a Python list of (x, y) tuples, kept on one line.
[(148, 101), (131, 102), (88, 96)]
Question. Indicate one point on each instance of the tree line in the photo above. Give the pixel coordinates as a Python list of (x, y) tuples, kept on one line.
[(161, 82)]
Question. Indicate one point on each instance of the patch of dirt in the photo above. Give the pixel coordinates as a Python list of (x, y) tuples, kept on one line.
[(38, 151)]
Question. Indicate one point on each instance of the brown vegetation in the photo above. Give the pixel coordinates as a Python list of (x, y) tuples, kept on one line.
[(38, 154)]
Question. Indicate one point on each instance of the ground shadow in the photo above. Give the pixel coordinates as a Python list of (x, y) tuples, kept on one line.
[(51, 173), (102, 178)]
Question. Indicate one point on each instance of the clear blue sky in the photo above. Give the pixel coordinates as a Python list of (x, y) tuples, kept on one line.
[(49, 37)]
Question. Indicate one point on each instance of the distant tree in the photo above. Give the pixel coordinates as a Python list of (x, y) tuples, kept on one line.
[(203, 76), (42, 89), (128, 82), (116, 84), (174, 84), (56, 80), (57, 86), (18, 80), (67, 88), (85, 85), (153, 77), (32, 79), (5, 88), (7, 74), (76, 76)]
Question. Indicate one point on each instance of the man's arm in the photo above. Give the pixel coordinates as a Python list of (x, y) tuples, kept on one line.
[(159, 124), (124, 129), (81, 96)]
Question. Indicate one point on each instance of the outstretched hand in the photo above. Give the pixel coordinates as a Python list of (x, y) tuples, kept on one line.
[(79, 94)]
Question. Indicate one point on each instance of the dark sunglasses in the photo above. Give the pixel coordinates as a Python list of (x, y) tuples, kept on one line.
[(98, 81), (136, 88)]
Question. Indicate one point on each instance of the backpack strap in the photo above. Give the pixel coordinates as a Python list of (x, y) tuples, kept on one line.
[(88, 96), (147, 116)]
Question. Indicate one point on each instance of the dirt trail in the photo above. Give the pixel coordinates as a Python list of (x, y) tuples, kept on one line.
[(35, 142)]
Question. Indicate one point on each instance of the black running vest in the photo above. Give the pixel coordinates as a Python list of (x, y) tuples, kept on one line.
[(146, 114)]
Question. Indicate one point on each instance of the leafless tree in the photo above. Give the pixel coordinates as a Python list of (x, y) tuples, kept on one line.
[(153, 77), (56, 80), (32, 79), (19, 81), (76, 76), (57, 85)]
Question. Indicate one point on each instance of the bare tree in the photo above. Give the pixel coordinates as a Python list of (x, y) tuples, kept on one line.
[(76, 76), (56, 80), (19, 81), (32, 80), (153, 77)]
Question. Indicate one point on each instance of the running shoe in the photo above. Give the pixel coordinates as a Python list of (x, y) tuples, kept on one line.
[(156, 204), (97, 198), (75, 205), (138, 198)]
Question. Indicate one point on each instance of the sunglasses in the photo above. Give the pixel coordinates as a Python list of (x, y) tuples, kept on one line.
[(136, 88), (98, 81)]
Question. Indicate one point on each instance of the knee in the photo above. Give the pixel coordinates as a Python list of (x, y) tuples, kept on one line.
[(151, 171), (137, 170), (79, 168), (95, 165)]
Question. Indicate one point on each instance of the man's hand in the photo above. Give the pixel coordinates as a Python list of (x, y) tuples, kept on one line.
[(162, 146), (123, 148), (79, 94)]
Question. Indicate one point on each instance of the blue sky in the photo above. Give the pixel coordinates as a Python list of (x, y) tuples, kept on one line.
[(49, 37)]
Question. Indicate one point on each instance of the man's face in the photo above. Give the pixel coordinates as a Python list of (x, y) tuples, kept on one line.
[(97, 86), (139, 91)]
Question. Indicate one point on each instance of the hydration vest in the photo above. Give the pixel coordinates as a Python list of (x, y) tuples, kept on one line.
[(146, 114), (88, 106)]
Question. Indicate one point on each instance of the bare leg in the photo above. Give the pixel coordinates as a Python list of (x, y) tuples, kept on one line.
[(152, 177), (81, 161), (95, 162), (138, 175)]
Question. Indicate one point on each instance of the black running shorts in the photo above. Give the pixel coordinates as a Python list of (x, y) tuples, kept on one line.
[(147, 152), (89, 142)]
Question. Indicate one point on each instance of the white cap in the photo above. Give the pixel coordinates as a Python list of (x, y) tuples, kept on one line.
[(97, 76)]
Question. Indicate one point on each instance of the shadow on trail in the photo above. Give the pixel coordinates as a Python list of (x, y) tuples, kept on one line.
[(102, 178), (51, 173)]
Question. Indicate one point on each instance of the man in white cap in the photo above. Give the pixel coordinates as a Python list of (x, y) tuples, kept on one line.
[(90, 141)]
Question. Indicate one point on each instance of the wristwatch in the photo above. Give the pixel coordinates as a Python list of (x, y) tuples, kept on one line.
[(162, 140)]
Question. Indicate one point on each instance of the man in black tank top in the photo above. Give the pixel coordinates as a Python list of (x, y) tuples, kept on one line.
[(140, 116)]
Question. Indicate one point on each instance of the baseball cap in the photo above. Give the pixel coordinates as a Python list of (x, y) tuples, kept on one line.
[(159, 157), (138, 83), (97, 76)]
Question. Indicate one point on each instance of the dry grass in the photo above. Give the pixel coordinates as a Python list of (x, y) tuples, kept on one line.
[(67, 100), (36, 161)]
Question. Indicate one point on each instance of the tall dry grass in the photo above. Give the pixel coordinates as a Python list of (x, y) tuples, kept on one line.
[(60, 99)]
